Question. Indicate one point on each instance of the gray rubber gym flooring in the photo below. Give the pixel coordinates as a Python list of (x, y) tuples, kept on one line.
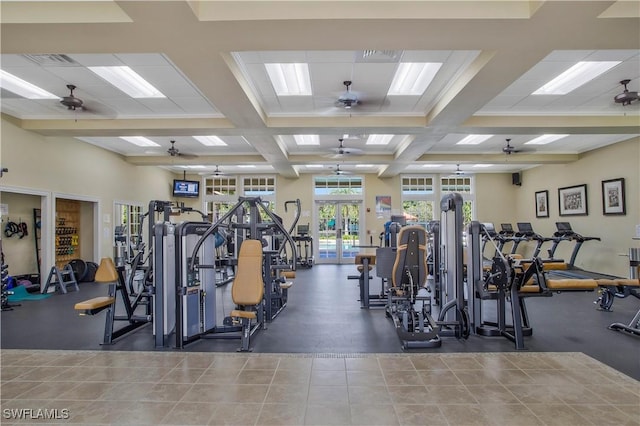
[(323, 316)]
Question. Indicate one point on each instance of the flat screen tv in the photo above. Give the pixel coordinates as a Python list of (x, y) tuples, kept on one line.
[(186, 188)]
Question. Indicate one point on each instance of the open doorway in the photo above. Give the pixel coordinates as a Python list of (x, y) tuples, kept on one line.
[(22, 242)]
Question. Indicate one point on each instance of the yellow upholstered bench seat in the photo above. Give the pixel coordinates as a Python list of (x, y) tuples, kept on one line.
[(571, 284), (529, 288), (95, 305), (628, 282), (243, 314), (287, 285), (549, 266), (289, 274)]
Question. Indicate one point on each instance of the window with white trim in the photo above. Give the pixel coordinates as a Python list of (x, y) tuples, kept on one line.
[(337, 185), (222, 193), (463, 185), (418, 198)]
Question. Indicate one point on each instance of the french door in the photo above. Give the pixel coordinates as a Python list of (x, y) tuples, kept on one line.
[(338, 231)]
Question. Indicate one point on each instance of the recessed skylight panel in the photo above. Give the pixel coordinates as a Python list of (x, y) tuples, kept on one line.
[(579, 74), (23, 88), (474, 139), (210, 140), (290, 79), (306, 139), (545, 139), (139, 140), (379, 139), (129, 81), (413, 78)]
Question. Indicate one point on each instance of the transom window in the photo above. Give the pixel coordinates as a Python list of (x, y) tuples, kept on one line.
[(456, 184), (337, 185), (416, 185)]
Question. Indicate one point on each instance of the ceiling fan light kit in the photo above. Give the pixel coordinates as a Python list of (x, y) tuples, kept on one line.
[(626, 97), (348, 99), (71, 102)]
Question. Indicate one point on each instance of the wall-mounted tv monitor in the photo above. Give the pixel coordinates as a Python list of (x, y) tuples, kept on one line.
[(186, 188)]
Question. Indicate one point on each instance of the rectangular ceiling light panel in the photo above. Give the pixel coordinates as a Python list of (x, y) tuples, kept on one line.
[(210, 140), (307, 139), (290, 79), (474, 139), (379, 139), (545, 139), (413, 78), (129, 81), (23, 88), (576, 76), (139, 140)]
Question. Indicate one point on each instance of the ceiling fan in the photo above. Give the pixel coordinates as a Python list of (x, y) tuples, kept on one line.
[(348, 99), (342, 151), (339, 172), (175, 152), (510, 149), (626, 97), (218, 172), (458, 171), (73, 103)]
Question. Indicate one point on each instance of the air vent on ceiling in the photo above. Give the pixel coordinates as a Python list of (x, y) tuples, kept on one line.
[(378, 56), (52, 60)]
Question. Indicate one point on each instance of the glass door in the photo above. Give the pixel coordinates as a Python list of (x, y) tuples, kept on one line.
[(338, 231)]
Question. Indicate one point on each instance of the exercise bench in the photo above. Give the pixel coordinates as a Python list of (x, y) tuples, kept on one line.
[(107, 273)]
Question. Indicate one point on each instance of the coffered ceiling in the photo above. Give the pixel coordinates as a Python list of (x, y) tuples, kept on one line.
[(208, 60)]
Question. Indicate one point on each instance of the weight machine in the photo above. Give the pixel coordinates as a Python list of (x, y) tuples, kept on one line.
[(501, 281), (185, 299), (410, 300)]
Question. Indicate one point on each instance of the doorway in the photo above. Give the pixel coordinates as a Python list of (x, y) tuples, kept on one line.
[(338, 231)]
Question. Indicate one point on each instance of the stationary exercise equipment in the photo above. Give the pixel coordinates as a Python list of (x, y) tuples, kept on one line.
[(303, 238), (502, 282), (247, 291), (526, 233), (453, 316), (409, 299), (566, 233), (304, 243), (114, 277), (184, 276)]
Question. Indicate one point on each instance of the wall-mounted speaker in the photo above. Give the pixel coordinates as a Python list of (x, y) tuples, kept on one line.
[(516, 179)]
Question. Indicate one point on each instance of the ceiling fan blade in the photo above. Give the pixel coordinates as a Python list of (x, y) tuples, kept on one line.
[(347, 151), (97, 108), (187, 156)]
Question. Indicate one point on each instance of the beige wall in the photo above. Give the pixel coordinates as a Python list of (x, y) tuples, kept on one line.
[(496, 198), (621, 160), (68, 168)]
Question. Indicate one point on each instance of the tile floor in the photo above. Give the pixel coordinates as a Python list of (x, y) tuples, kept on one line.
[(91, 387)]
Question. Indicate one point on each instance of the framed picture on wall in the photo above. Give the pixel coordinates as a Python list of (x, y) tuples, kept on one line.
[(542, 203), (572, 200), (613, 197)]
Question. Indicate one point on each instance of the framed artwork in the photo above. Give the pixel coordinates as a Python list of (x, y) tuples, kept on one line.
[(542, 203), (572, 200), (613, 197)]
